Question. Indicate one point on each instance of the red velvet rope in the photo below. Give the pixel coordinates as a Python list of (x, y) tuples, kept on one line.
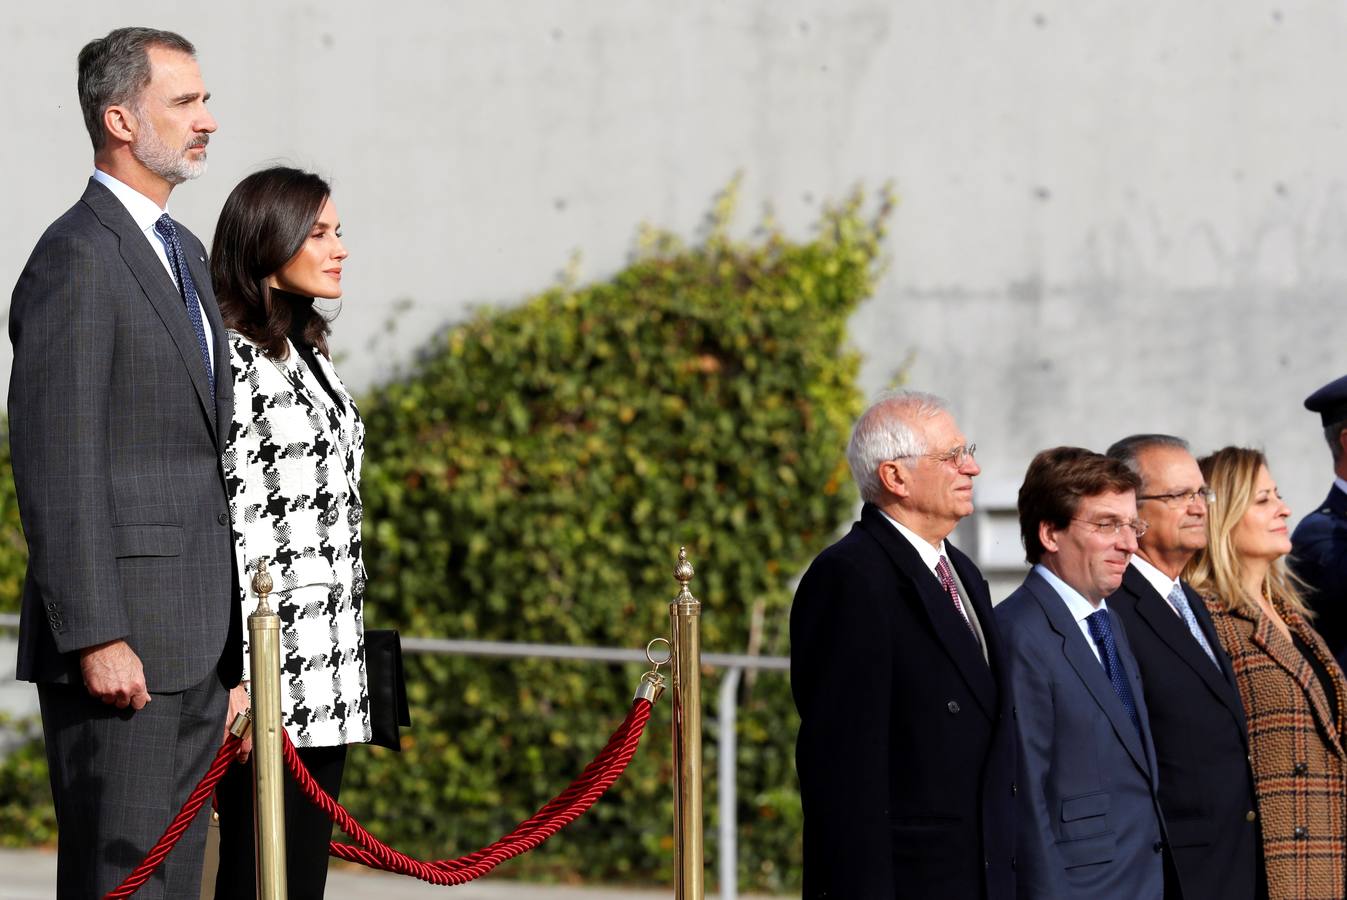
[(181, 822), (565, 808)]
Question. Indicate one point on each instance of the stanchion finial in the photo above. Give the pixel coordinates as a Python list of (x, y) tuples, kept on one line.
[(683, 573), (262, 585)]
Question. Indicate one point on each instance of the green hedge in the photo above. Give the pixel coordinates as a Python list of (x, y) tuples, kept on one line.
[(531, 478)]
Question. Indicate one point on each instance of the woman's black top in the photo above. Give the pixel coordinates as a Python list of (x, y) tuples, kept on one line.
[(305, 349), (1320, 671)]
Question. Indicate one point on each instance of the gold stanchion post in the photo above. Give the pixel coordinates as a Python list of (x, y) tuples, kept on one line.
[(686, 648), (264, 646)]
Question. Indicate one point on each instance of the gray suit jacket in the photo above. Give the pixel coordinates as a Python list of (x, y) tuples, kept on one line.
[(116, 450), (1089, 820)]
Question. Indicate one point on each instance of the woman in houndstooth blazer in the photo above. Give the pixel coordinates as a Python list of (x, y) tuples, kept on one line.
[(1295, 697), (292, 469)]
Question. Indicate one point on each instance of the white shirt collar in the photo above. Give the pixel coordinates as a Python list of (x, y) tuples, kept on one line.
[(1162, 583), (1075, 601), (143, 210), (929, 555)]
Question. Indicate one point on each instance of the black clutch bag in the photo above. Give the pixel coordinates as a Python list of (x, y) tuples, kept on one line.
[(387, 687)]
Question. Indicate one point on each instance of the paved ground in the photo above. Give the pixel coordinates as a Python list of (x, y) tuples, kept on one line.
[(31, 875)]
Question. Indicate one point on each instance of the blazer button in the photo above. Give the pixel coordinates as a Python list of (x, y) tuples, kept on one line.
[(952, 706), (1250, 816), (1158, 846), (1301, 769), (51, 605), (1014, 789), (1300, 833), (223, 518)]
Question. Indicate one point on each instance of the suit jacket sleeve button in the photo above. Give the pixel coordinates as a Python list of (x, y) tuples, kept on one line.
[(952, 706), (1301, 769), (1300, 833), (1014, 789)]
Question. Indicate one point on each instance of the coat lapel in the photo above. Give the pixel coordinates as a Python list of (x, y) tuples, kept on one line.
[(950, 628), (224, 380), (1156, 612), (158, 287), (1090, 671), (1284, 653)]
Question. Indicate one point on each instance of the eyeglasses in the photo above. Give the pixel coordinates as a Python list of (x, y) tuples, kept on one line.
[(958, 456), (1183, 498), (1115, 527)]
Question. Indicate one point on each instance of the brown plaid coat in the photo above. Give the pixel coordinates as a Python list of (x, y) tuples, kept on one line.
[(1296, 748)]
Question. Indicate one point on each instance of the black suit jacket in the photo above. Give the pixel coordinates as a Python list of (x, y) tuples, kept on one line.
[(905, 753), (1201, 744), (1319, 556)]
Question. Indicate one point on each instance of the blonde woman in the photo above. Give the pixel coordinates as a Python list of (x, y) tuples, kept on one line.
[(1292, 689)]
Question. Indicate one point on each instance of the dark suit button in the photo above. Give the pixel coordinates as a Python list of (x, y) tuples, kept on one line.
[(952, 706), (1250, 816), (1300, 832), (1301, 769), (1158, 846), (51, 604), (1014, 789), (223, 518)]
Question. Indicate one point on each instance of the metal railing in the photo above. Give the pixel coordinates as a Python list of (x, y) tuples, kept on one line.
[(734, 665)]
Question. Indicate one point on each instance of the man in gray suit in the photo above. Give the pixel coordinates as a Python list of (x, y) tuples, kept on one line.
[(1089, 821), (116, 418)]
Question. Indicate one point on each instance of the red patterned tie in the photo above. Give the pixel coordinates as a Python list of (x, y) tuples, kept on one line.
[(946, 576)]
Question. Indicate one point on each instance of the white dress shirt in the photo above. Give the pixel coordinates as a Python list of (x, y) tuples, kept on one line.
[(930, 557), (145, 212), (1162, 583), (1080, 608)]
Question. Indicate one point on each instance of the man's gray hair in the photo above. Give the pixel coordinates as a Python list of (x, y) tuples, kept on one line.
[(884, 432), (1129, 449), (113, 70), (1332, 433)]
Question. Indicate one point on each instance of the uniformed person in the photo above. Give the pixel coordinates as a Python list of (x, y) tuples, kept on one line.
[(1319, 544)]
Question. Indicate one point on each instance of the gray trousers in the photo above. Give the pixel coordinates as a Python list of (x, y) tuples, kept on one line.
[(118, 778)]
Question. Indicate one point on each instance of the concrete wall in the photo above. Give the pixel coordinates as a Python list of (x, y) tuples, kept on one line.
[(1116, 216)]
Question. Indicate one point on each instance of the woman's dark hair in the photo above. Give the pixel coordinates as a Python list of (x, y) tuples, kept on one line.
[(264, 223)]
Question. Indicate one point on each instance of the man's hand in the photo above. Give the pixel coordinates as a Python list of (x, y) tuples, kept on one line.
[(113, 673), (238, 702)]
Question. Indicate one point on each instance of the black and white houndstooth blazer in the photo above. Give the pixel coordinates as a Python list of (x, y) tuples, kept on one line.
[(292, 469)]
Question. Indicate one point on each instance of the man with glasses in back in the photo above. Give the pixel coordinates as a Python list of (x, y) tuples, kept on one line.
[(1196, 715), (905, 756), (1089, 818)]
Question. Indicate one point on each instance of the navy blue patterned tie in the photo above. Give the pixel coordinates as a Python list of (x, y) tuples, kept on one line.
[(1101, 629), (168, 233)]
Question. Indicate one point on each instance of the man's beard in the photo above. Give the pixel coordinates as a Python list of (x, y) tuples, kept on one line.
[(171, 165)]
